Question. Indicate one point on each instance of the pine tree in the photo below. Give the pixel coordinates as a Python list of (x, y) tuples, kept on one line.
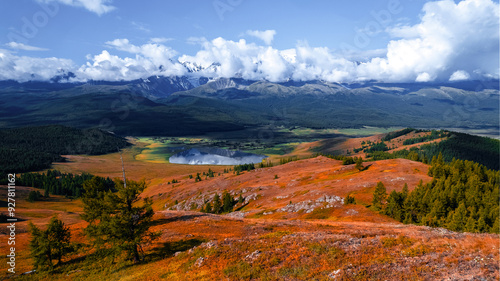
[(208, 208), (47, 245), (379, 196), (394, 208), (217, 204), (470, 226), (458, 219), (405, 191), (227, 200), (241, 199), (359, 164), (116, 221), (198, 177), (496, 226), (408, 219), (349, 200)]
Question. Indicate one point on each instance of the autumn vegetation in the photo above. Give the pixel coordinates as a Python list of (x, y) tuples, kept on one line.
[(414, 215)]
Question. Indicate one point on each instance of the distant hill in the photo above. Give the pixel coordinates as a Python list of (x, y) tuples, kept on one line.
[(173, 106), (419, 143), (35, 148)]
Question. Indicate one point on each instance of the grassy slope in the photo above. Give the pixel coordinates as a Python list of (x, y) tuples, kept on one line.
[(274, 249), (350, 242)]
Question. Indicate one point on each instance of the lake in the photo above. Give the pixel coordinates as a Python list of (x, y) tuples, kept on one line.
[(214, 156)]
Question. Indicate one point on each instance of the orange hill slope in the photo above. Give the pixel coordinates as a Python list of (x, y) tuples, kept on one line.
[(346, 146), (293, 189)]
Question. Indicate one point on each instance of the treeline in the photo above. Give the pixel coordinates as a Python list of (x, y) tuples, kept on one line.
[(434, 135), (56, 183), (379, 146), (463, 196), (397, 134), (243, 167), (35, 148), (462, 146)]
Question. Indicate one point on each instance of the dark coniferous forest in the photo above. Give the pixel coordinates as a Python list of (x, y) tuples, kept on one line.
[(35, 148)]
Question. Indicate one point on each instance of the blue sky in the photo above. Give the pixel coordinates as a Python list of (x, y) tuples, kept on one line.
[(282, 39)]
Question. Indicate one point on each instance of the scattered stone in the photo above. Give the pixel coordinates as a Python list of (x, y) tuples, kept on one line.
[(309, 205), (335, 275), (253, 255), (209, 245), (199, 262)]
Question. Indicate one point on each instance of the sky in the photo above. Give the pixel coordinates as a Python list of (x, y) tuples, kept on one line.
[(335, 41)]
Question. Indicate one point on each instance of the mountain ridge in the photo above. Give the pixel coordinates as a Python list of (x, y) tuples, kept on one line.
[(167, 101)]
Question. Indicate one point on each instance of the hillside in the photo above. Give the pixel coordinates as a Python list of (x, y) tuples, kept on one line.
[(295, 189), (288, 222), (35, 148), (423, 144), (315, 237)]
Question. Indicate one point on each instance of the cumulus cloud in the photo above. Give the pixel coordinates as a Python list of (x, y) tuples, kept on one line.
[(149, 59), (459, 75), (99, 7), (452, 42), (21, 46), (22, 68), (267, 35), (450, 37)]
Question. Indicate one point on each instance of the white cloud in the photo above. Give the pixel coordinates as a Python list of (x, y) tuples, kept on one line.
[(267, 35), (459, 75), (452, 41), (451, 36), (159, 40), (99, 7), (251, 61), (21, 46), (424, 77), (22, 68), (150, 59)]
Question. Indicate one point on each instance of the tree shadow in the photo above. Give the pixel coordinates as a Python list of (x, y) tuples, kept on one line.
[(161, 221), (168, 249), (365, 168)]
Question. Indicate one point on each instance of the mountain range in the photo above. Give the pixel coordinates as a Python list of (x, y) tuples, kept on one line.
[(190, 105)]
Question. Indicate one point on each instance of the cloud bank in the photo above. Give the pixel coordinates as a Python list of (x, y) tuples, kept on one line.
[(24, 68), (452, 42)]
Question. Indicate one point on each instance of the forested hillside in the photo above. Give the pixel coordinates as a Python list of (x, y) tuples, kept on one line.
[(35, 148), (56, 183), (463, 196), (461, 146)]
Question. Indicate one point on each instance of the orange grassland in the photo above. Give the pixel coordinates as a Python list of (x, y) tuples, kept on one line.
[(260, 240)]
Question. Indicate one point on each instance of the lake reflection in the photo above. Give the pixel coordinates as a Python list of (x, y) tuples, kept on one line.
[(214, 156)]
